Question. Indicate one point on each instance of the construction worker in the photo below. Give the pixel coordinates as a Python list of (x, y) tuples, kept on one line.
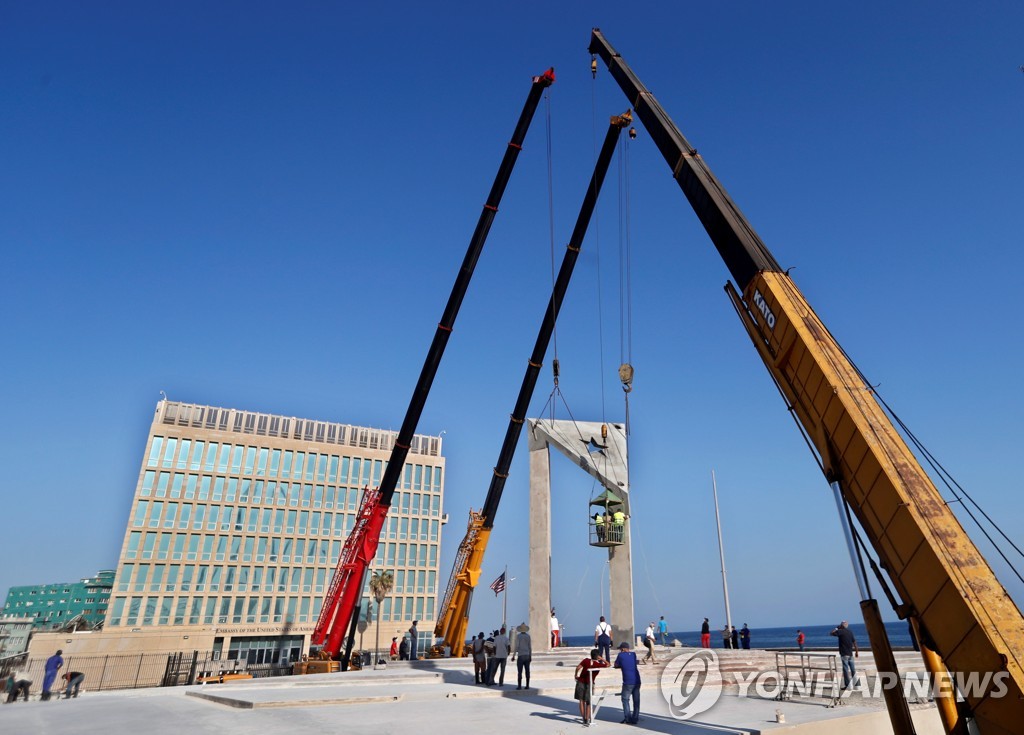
[(618, 525)]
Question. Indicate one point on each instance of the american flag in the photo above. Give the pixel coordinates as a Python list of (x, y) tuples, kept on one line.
[(498, 585)]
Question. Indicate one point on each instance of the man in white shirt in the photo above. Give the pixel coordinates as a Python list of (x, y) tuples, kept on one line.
[(603, 639), (556, 634), (501, 647), (649, 642)]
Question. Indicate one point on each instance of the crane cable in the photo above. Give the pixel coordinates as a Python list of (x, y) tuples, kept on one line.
[(625, 275)]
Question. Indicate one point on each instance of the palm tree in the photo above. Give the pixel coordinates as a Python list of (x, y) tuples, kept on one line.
[(380, 587)]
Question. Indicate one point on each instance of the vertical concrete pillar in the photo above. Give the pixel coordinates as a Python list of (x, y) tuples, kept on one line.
[(620, 589), (540, 547)]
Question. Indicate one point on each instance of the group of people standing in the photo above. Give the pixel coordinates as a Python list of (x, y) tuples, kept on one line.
[(490, 656), (732, 638), (408, 649), (19, 683)]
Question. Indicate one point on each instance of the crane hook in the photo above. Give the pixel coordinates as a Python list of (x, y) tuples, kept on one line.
[(632, 133), (554, 369), (626, 376), (593, 67)]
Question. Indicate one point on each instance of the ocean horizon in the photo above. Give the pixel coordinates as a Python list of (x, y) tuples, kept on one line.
[(816, 636)]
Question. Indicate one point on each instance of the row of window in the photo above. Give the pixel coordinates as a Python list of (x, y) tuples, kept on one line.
[(215, 578), (157, 514), (258, 492), (238, 459), (162, 546), (171, 610)]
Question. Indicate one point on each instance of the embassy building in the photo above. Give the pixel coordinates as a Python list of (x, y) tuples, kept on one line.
[(235, 528)]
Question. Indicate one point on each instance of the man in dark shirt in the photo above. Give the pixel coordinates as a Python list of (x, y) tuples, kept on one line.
[(626, 662), (705, 634), (847, 651)]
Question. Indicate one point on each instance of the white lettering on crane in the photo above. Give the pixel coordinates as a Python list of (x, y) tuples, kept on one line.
[(762, 306)]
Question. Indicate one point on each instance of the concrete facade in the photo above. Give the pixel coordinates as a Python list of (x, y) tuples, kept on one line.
[(236, 525)]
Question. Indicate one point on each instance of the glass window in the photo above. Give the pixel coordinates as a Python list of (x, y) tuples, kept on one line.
[(357, 468), (147, 545), (190, 487), (154, 515), (200, 517), (310, 465), (321, 468), (236, 458), (232, 489), (222, 460), (186, 446), (261, 465), (407, 477), (275, 462), (257, 492), (154, 451), (211, 456), (434, 525), (157, 580), (126, 577), (161, 484), (318, 496), (179, 543), (332, 473), (435, 505), (133, 611), (197, 455), (165, 546), (300, 460), (417, 481), (147, 482), (218, 488), (204, 488), (286, 467), (140, 513), (171, 515), (377, 465), (437, 478), (293, 494), (314, 526), (141, 577), (344, 470), (179, 482), (307, 492), (117, 611), (303, 520), (250, 460), (415, 504), (170, 447)]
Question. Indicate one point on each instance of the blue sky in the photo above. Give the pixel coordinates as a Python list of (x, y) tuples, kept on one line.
[(264, 206)]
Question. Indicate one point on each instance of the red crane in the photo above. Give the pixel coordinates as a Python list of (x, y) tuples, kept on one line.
[(346, 587)]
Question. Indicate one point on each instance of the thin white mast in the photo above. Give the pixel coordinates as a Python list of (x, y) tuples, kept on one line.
[(721, 553)]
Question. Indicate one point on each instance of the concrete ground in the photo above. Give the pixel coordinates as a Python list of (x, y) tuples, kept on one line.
[(435, 696)]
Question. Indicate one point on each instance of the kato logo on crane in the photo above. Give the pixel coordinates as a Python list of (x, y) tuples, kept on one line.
[(762, 306)]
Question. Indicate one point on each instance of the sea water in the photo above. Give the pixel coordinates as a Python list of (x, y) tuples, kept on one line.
[(817, 636)]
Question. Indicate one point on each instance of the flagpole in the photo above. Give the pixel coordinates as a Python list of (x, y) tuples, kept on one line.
[(721, 553), (504, 604)]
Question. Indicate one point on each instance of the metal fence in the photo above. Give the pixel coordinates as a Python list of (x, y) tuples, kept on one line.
[(138, 670)]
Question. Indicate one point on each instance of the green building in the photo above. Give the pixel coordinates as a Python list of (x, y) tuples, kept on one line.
[(62, 606)]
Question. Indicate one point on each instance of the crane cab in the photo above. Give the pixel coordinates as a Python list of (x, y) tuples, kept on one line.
[(607, 520)]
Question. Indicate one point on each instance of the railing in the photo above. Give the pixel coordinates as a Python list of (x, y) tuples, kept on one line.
[(808, 674)]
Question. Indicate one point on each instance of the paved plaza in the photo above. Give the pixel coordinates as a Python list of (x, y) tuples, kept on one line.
[(432, 696)]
